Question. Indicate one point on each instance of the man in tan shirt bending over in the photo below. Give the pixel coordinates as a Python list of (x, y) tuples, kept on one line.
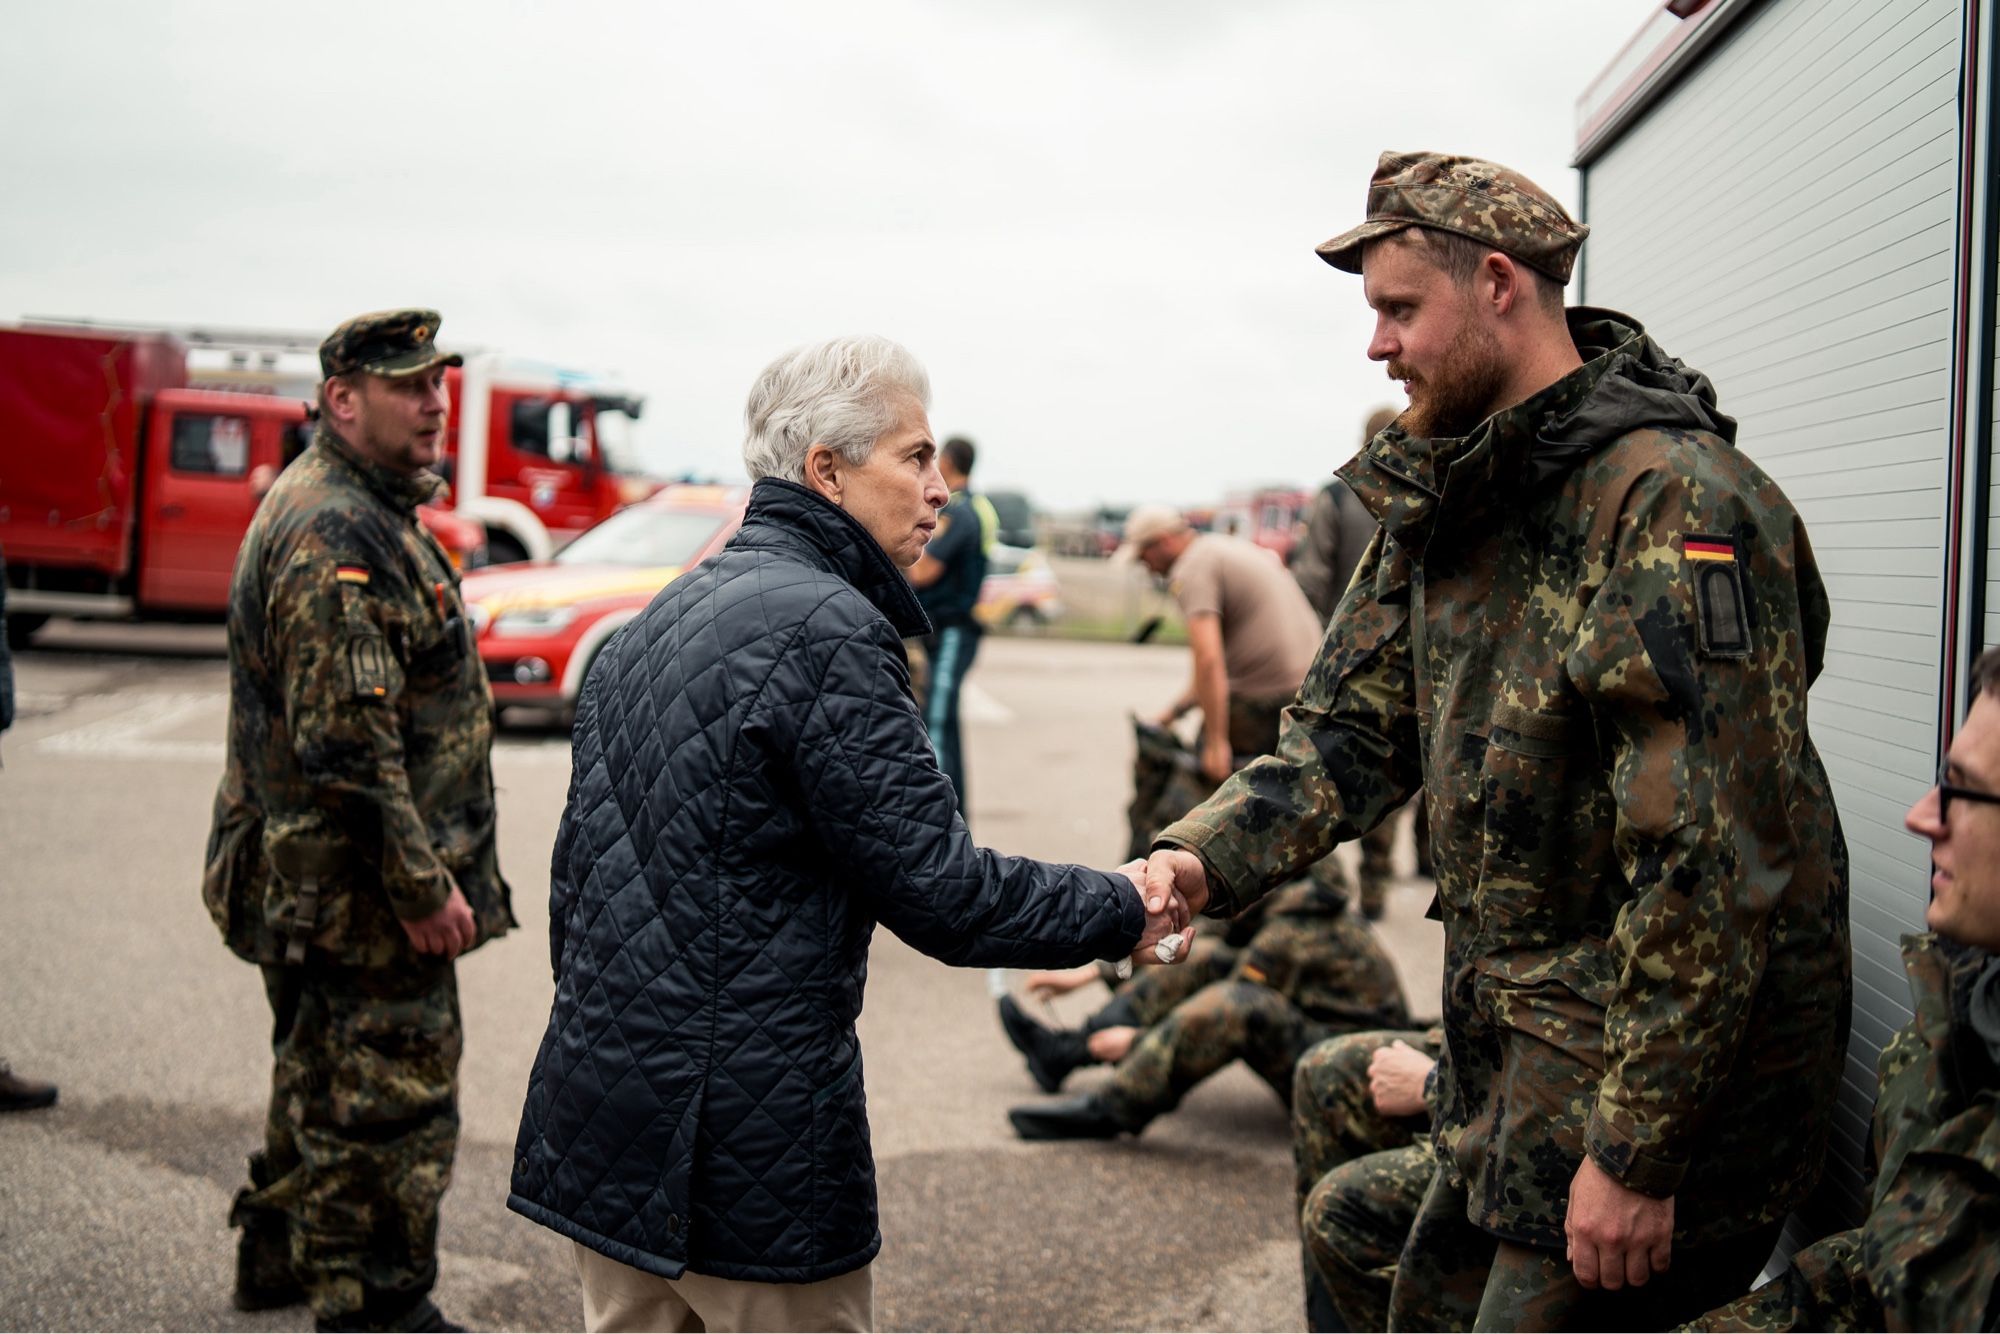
[(1252, 632)]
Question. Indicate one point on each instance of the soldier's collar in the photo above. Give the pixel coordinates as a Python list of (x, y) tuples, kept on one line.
[(401, 491)]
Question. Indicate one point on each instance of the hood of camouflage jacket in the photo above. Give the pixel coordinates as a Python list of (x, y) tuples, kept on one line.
[(1627, 382), (399, 491)]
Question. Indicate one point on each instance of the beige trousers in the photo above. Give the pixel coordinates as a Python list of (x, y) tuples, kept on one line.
[(618, 1298)]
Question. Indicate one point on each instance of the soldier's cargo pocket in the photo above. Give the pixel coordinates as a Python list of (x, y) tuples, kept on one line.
[(231, 883), (1544, 814), (397, 1058)]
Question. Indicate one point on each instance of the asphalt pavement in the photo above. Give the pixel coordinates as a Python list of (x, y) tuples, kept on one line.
[(114, 984)]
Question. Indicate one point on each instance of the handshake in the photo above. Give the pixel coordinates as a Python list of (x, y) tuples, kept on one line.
[(1172, 888)]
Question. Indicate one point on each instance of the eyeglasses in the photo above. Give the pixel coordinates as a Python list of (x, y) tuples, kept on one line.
[(1948, 793)]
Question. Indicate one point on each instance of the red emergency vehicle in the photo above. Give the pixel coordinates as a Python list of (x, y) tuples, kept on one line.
[(538, 453), (124, 492)]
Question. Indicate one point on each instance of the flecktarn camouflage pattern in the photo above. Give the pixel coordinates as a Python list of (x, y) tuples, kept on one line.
[(1640, 871), (1927, 1256), (1361, 1175), (358, 793), (387, 342), (1311, 970), (1487, 202)]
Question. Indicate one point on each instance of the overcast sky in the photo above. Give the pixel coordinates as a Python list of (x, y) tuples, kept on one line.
[(1092, 221)]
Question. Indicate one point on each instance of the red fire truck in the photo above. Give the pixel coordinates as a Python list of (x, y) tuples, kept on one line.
[(124, 492), (131, 460), (554, 456)]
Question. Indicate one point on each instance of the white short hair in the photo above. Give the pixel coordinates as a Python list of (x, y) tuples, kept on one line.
[(841, 393)]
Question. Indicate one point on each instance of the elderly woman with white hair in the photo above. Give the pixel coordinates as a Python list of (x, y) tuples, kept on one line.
[(752, 792)]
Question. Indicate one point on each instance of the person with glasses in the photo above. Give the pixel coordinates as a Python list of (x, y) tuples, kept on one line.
[(1926, 1256)]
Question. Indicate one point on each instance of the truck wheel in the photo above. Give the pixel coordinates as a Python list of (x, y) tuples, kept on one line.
[(21, 627), (503, 549)]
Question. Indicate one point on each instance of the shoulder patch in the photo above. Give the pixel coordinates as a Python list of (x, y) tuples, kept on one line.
[(1721, 608), (368, 663), (351, 574)]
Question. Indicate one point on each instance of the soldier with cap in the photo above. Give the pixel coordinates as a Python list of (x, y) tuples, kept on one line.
[(352, 855), (1587, 630)]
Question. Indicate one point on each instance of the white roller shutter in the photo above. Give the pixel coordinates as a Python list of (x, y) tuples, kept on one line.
[(1783, 219)]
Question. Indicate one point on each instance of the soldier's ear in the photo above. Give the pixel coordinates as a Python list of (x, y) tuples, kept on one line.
[(337, 397)]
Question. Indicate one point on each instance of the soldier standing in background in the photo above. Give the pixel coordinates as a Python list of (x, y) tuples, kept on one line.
[(1338, 529), (1587, 631), (352, 855)]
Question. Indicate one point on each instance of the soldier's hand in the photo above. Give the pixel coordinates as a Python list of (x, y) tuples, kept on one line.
[(1173, 873), (1616, 1235), (448, 931), (1396, 1075), (1167, 918)]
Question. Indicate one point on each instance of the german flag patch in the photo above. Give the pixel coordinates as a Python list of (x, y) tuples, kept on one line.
[(351, 574), (1722, 612)]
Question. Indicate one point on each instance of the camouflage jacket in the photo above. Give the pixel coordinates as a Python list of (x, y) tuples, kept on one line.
[(1928, 1247), (1926, 1256), (359, 787), (1587, 631)]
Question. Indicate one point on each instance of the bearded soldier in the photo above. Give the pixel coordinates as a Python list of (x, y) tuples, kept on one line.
[(1587, 630), (352, 856)]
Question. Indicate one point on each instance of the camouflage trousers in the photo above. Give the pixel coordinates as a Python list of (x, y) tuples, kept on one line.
[(1455, 1275), (359, 1139), (1361, 1175), (1824, 1287), (1223, 1022), (1243, 1019), (1152, 993)]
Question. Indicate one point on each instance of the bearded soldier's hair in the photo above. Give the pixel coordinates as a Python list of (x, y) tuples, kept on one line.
[(1461, 256)]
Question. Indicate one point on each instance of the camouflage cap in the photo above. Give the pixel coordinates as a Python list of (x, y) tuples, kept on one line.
[(1481, 200), (386, 342)]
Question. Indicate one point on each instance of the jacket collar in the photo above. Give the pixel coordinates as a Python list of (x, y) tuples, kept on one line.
[(398, 491), (786, 516), (1408, 483)]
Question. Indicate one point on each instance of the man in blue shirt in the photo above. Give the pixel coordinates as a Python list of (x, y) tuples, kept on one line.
[(947, 580)]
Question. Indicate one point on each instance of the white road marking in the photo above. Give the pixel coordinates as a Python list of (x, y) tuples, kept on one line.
[(134, 733), (976, 706)]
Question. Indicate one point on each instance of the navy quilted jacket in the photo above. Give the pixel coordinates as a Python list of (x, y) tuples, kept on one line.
[(753, 790)]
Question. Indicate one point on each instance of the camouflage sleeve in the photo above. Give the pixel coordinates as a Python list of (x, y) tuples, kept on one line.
[(1928, 1241), (1347, 751), (1699, 703), (335, 639)]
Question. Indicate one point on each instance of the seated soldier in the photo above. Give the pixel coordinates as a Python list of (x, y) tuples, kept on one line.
[(1361, 1141), (1136, 1004), (1926, 1256), (1311, 971)]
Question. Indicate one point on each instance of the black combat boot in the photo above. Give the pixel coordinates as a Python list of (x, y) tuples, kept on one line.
[(1052, 1052), (23, 1095), (265, 1280), (1081, 1117)]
